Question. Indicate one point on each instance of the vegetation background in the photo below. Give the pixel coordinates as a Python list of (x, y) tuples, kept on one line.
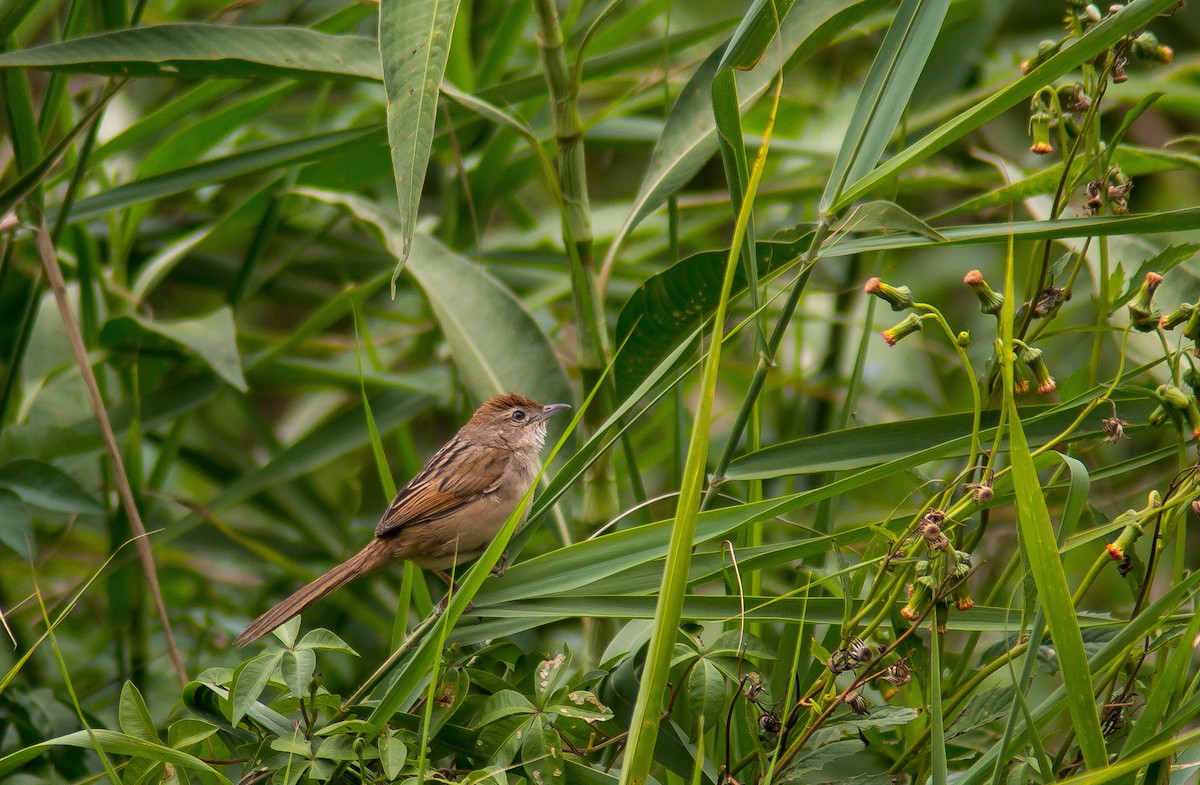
[(287, 266)]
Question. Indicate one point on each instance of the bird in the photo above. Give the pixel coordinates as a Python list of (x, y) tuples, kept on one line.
[(451, 510)]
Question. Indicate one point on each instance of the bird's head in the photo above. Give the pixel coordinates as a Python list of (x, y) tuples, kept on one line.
[(513, 421)]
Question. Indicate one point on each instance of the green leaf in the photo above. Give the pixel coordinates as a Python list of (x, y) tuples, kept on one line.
[(584, 706), (44, 485), (16, 525), (297, 669), (133, 715), (983, 708), (1038, 542), (706, 692), (212, 338), (819, 757), (885, 93), (321, 639), (338, 747), (497, 344), (1162, 262), (946, 434), (243, 163), (189, 732), (670, 307), (392, 754), (884, 216), (502, 705), (414, 41), (548, 676), (249, 680), (689, 136), (541, 754), (195, 51), (111, 742), (1132, 16)]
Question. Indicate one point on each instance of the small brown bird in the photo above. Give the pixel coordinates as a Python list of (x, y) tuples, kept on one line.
[(451, 510)]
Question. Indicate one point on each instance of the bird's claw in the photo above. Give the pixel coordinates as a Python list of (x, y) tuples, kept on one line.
[(501, 566)]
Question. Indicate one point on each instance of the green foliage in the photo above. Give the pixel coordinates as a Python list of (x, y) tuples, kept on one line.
[(301, 243)]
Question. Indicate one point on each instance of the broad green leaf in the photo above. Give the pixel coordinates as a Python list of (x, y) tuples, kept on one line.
[(414, 41), (337, 747), (134, 716), (671, 306), (44, 485), (819, 757), (501, 705), (16, 525), (249, 680), (188, 732), (582, 705), (548, 677), (297, 670), (392, 754), (192, 50), (706, 692), (689, 136), (885, 93), (541, 754), (212, 338), (324, 640)]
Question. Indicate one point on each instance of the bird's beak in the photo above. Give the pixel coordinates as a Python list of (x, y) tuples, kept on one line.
[(549, 410)]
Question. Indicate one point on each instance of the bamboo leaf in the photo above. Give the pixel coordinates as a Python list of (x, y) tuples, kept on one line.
[(885, 93), (414, 42), (193, 50)]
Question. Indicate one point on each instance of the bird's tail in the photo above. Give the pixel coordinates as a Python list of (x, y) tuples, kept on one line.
[(367, 560)]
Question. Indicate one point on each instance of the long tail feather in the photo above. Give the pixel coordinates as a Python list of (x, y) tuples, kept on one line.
[(367, 560)]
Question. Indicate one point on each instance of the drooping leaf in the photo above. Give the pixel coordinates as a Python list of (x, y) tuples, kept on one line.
[(414, 42), (212, 338)]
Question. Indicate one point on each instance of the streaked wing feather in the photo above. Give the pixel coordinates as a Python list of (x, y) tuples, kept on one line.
[(456, 475)]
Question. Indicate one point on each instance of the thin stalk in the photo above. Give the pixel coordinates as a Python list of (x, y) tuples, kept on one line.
[(129, 503)]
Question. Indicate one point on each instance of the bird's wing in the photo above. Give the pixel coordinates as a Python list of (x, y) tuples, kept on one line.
[(456, 475)]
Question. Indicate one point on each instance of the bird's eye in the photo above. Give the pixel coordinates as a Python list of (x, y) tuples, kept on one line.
[(518, 415)]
